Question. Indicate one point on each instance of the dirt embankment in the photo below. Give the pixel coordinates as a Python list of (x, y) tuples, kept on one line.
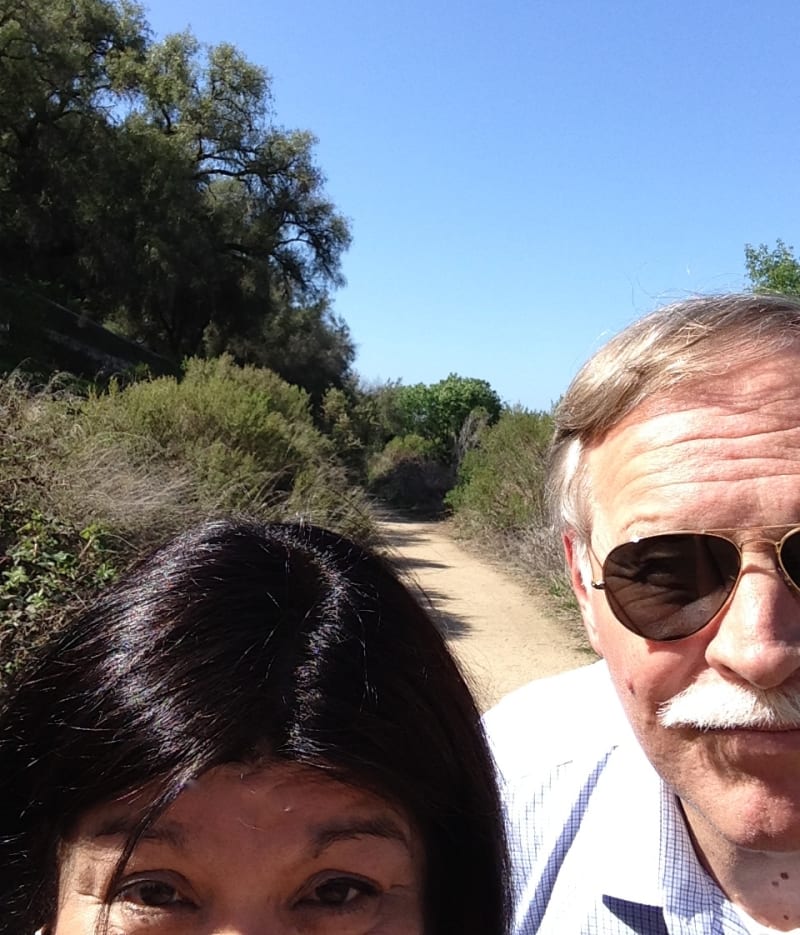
[(500, 632)]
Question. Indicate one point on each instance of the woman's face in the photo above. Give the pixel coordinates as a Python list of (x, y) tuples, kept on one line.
[(246, 851)]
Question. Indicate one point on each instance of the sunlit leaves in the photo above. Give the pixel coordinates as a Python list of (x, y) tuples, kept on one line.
[(775, 270)]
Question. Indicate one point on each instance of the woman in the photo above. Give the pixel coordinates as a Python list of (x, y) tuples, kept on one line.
[(258, 730)]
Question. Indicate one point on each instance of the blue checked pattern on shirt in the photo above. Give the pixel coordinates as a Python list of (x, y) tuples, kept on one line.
[(598, 842)]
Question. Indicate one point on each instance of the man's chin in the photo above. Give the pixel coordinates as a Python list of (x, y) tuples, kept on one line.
[(754, 806), (783, 838)]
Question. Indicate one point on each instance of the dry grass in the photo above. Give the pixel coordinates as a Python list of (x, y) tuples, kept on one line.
[(88, 485)]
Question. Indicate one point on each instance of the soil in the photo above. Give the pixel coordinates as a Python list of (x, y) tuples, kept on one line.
[(502, 633)]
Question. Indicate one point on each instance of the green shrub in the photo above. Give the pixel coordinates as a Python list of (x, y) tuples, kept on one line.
[(500, 498), (398, 449), (349, 418), (362, 420), (438, 411), (47, 564), (225, 438), (359, 420), (88, 484), (228, 421), (47, 561), (501, 482)]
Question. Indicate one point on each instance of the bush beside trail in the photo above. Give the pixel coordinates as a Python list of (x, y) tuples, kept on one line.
[(501, 480), (499, 499), (89, 483), (407, 441)]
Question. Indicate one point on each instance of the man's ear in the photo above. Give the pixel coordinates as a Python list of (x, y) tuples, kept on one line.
[(580, 574)]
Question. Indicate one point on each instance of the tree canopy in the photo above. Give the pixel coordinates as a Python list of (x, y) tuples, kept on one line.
[(437, 412), (773, 270), (147, 185)]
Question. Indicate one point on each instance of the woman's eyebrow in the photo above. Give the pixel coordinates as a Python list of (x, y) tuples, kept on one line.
[(163, 832), (323, 836)]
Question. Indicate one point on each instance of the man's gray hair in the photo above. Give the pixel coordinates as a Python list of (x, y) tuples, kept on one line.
[(674, 346)]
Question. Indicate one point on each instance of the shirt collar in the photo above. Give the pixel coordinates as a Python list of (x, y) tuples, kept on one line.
[(627, 810), (651, 859)]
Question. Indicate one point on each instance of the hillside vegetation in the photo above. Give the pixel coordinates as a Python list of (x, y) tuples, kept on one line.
[(89, 482)]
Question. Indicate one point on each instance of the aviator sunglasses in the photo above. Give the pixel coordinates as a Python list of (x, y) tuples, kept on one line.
[(669, 586)]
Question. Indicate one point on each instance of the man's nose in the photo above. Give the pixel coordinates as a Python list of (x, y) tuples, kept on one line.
[(757, 638)]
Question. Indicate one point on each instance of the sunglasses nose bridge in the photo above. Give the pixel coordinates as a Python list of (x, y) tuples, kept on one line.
[(770, 546), (754, 540)]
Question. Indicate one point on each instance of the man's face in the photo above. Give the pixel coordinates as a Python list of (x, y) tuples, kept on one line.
[(720, 454)]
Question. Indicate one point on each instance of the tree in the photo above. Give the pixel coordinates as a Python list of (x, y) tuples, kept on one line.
[(775, 270), (146, 185), (308, 345), (438, 412), (57, 143), (260, 234)]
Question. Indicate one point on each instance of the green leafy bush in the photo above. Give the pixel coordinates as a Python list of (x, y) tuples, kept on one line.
[(225, 438), (350, 418), (88, 484), (47, 564), (438, 412), (500, 498), (501, 482), (47, 560)]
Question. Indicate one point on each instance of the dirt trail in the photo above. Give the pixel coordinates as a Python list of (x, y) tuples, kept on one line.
[(497, 629)]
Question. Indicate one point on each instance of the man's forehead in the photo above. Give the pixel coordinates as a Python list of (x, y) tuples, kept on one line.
[(763, 384), (679, 456)]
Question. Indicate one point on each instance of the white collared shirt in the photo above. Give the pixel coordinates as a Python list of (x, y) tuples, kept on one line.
[(598, 842)]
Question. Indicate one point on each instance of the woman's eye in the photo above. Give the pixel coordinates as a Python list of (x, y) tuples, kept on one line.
[(340, 892), (150, 893)]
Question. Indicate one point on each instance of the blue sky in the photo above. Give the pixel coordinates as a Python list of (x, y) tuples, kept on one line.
[(524, 178)]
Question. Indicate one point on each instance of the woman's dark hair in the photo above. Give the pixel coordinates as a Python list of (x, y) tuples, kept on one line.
[(239, 640)]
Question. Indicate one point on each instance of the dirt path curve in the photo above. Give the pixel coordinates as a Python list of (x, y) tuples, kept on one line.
[(497, 629)]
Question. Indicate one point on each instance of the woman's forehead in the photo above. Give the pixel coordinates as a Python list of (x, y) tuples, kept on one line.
[(284, 796), (258, 842)]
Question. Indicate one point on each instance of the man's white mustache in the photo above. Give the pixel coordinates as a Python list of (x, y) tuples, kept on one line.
[(722, 705)]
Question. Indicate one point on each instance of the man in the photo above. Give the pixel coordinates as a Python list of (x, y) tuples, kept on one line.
[(658, 791)]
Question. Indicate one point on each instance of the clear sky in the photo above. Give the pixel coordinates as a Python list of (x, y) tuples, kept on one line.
[(524, 177)]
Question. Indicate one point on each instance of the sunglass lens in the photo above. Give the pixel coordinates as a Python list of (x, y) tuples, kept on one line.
[(790, 557), (668, 587)]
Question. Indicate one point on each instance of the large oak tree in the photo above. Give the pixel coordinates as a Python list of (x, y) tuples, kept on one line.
[(147, 185)]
